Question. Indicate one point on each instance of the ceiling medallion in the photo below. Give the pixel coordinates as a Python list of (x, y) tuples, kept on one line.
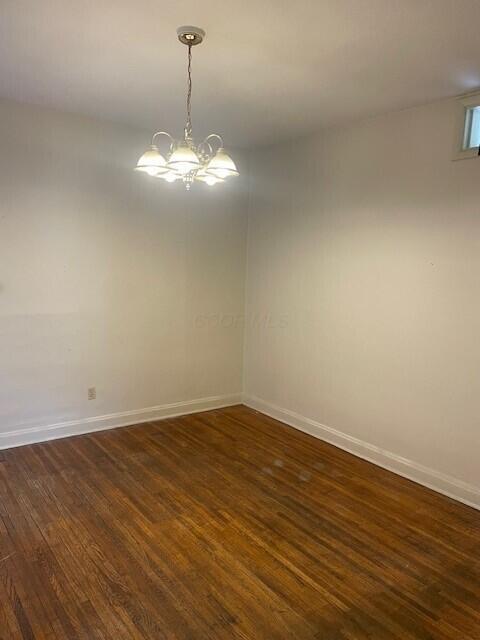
[(206, 162)]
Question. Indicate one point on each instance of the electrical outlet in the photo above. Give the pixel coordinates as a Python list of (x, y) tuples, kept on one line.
[(92, 393)]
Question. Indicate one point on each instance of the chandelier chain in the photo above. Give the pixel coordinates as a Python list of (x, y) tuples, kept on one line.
[(188, 128)]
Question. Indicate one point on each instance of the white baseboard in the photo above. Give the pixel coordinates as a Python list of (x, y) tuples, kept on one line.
[(449, 486), (42, 433)]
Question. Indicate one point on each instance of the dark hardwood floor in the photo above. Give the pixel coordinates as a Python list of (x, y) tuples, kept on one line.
[(227, 524)]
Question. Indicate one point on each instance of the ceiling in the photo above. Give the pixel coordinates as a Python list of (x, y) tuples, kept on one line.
[(268, 69)]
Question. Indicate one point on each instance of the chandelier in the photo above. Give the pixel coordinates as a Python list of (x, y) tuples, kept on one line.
[(186, 161)]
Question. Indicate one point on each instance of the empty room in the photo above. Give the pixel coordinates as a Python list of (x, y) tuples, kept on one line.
[(239, 320)]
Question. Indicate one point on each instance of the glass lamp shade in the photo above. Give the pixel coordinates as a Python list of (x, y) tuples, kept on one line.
[(208, 178), (183, 160), (221, 166), (152, 162)]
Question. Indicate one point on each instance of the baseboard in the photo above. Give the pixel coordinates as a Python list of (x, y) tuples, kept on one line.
[(449, 486), (42, 433)]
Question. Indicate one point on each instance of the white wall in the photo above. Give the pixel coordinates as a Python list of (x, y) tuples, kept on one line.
[(108, 278), (362, 288), (363, 294)]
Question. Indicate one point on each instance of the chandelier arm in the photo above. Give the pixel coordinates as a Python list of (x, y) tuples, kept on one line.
[(164, 133), (208, 153), (214, 135)]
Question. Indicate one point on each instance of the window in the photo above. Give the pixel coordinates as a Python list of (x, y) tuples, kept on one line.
[(472, 128), (468, 132)]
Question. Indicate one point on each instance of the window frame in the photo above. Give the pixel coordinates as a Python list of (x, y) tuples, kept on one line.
[(465, 103)]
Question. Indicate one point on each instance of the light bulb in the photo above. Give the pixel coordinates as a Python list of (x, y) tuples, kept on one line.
[(169, 176), (208, 178)]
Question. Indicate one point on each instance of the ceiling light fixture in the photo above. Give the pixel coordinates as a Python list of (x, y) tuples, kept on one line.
[(206, 162)]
